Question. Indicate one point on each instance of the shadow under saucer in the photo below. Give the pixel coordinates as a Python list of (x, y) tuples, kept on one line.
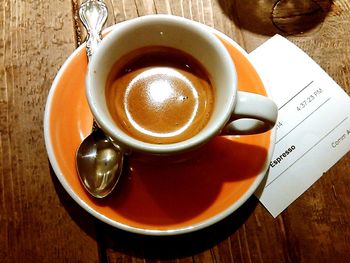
[(117, 241)]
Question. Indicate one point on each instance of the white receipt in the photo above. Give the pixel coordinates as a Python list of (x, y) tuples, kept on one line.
[(313, 126)]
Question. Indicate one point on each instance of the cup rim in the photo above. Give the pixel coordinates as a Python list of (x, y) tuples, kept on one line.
[(126, 141)]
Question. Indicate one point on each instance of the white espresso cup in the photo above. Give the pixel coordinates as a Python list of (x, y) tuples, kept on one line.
[(232, 113)]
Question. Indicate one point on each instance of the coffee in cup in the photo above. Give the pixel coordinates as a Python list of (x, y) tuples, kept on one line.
[(159, 95)]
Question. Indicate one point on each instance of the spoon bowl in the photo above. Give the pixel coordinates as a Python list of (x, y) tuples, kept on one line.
[(99, 163)]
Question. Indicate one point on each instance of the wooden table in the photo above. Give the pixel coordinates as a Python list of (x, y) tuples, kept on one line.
[(39, 222)]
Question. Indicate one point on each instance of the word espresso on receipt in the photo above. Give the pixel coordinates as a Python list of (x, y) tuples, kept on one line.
[(313, 126)]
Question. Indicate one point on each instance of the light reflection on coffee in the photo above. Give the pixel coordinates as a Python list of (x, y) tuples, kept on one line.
[(159, 95)]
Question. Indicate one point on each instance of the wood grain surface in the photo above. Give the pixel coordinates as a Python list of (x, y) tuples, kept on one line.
[(39, 222)]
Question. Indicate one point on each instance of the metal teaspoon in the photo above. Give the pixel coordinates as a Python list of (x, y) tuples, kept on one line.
[(99, 162)]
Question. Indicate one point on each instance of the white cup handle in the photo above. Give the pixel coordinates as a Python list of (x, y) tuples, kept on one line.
[(252, 114)]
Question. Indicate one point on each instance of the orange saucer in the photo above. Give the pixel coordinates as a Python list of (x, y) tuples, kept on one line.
[(158, 199)]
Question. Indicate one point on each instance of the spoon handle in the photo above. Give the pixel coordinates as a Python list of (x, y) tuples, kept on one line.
[(93, 14)]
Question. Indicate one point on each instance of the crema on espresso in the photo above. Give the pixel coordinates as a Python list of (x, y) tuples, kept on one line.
[(159, 95)]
